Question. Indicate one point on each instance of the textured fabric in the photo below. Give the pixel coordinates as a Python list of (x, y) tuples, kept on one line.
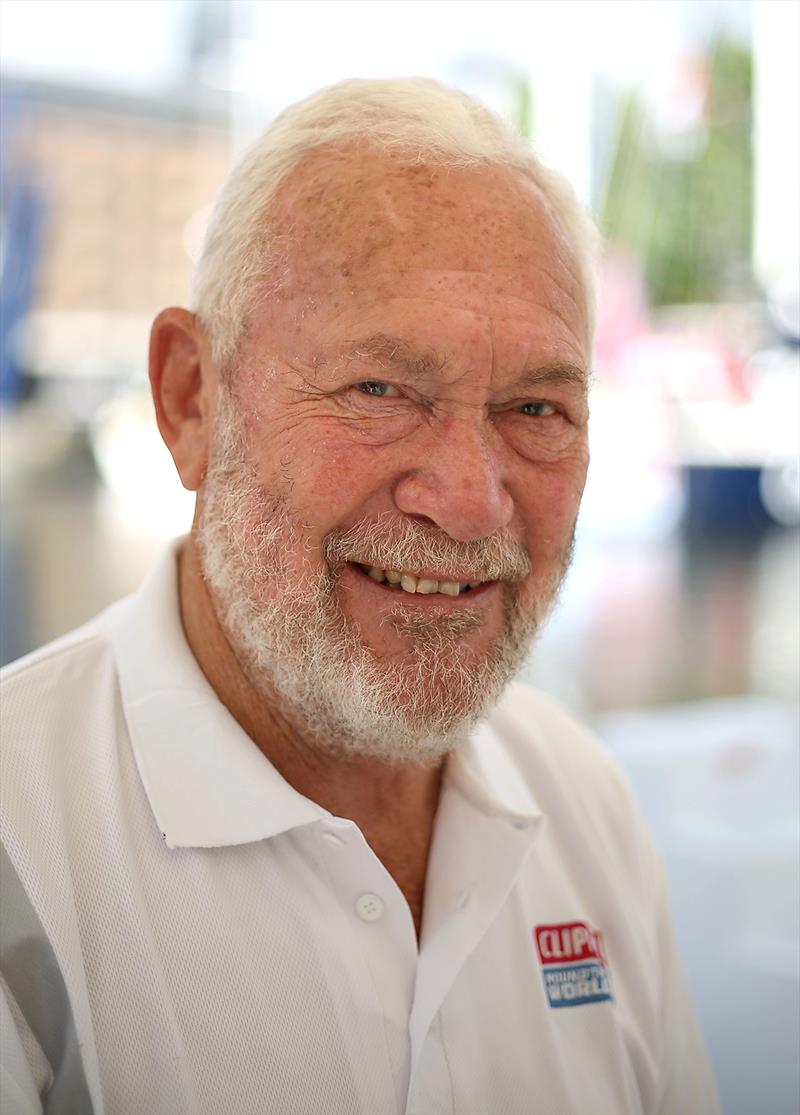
[(46, 1026), (211, 928), (24, 1067)]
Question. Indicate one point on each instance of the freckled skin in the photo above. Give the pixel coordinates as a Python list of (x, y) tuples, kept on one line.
[(471, 264)]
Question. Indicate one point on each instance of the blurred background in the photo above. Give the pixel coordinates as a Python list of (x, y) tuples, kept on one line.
[(677, 636)]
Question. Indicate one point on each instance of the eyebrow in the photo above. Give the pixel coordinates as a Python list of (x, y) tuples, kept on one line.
[(553, 373), (393, 352)]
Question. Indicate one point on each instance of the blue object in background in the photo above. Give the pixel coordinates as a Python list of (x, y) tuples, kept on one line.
[(22, 220), (724, 500)]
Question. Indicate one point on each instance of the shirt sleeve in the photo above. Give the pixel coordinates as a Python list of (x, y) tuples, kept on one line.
[(24, 1071), (41, 1054)]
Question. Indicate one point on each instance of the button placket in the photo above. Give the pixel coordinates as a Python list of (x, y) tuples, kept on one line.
[(382, 934), (369, 907), (350, 862)]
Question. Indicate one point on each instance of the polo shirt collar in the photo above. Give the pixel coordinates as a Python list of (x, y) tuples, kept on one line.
[(485, 772), (207, 783)]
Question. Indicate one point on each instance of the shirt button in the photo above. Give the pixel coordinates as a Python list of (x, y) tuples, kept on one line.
[(333, 839), (369, 907)]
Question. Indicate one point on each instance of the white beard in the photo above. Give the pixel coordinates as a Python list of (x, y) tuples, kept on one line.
[(297, 646)]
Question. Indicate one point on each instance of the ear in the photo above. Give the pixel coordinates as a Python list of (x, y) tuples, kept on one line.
[(183, 381)]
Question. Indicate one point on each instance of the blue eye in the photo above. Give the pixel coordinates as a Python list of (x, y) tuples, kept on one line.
[(376, 388), (538, 410)]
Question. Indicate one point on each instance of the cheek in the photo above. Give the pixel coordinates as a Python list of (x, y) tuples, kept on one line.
[(548, 507), (331, 480)]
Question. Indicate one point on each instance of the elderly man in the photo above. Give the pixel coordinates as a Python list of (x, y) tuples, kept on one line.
[(279, 834)]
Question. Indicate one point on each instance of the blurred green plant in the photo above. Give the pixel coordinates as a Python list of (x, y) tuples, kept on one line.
[(680, 193)]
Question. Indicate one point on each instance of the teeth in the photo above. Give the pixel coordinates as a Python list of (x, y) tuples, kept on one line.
[(411, 583)]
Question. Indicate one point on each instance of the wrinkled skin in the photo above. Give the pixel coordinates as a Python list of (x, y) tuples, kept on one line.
[(470, 272)]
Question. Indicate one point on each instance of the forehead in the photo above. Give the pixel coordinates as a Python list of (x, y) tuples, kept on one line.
[(472, 264), (351, 214)]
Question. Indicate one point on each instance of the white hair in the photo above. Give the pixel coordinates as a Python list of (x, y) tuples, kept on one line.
[(418, 118)]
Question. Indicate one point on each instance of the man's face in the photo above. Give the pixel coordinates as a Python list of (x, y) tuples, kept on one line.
[(411, 401)]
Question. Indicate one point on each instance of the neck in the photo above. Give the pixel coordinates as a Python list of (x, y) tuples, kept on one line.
[(386, 801)]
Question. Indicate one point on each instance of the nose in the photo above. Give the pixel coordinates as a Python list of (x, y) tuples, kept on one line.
[(458, 482)]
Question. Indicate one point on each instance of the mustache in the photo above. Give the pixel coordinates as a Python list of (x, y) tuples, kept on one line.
[(391, 542)]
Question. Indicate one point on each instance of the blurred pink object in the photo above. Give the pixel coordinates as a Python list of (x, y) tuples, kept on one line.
[(630, 351)]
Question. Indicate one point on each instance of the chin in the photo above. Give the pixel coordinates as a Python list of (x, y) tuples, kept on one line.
[(415, 710)]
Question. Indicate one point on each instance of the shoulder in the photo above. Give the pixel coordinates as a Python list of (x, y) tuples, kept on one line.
[(542, 735), (54, 665), (57, 693), (573, 776)]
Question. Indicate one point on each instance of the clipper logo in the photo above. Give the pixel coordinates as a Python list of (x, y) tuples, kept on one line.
[(574, 965)]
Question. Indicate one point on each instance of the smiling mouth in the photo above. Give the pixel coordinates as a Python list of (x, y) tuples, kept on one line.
[(411, 583)]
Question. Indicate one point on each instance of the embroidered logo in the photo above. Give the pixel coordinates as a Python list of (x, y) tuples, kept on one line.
[(574, 965)]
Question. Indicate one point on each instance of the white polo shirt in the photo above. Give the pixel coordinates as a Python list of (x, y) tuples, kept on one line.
[(185, 934)]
